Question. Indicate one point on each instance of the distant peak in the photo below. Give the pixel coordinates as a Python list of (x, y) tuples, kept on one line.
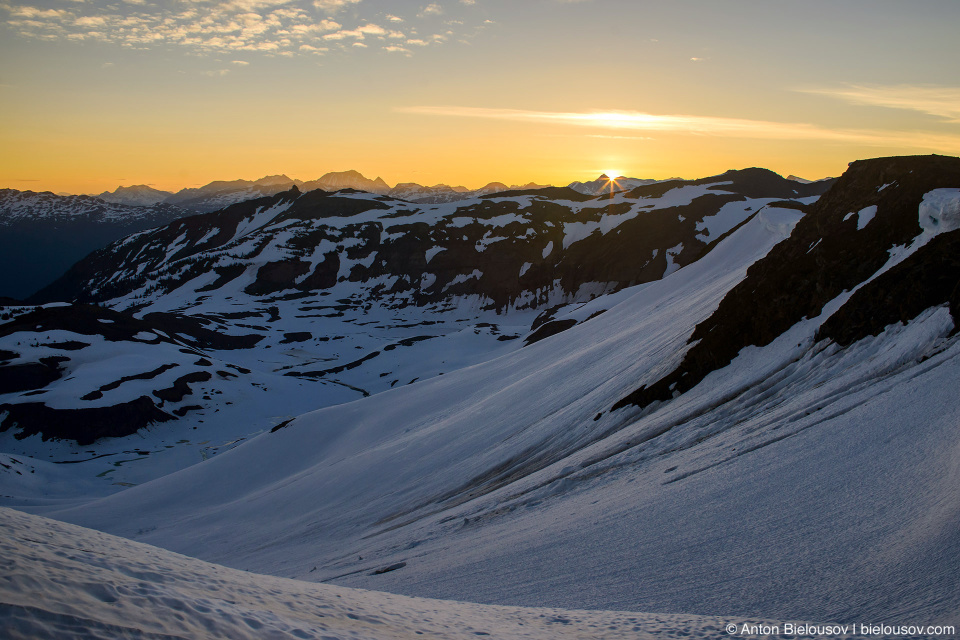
[(273, 179), (353, 173)]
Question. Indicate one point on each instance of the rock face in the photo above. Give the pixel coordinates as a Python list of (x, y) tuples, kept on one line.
[(42, 234), (872, 213)]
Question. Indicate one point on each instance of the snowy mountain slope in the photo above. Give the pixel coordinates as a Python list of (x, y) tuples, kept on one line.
[(509, 249), (421, 436), (42, 234), (82, 582), (357, 293), (101, 390), (803, 479)]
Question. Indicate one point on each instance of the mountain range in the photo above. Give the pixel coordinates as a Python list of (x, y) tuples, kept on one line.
[(728, 398), (45, 233), (219, 194)]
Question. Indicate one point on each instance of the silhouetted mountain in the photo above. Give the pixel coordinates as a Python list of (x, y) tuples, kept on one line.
[(219, 194), (604, 184), (139, 195), (337, 180)]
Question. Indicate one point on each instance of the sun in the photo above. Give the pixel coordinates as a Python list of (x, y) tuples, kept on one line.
[(613, 174)]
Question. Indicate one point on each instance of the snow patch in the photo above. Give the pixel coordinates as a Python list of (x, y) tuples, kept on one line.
[(672, 253), (432, 251), (864, 216), (940, 211)]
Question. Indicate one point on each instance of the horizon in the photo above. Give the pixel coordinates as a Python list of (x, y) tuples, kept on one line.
[(176, 95), (611, 176)]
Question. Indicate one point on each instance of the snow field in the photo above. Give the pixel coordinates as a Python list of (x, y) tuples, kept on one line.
[(68, 582)]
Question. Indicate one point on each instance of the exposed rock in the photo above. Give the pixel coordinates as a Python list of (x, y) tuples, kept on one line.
[(84, 426), (825, 255)]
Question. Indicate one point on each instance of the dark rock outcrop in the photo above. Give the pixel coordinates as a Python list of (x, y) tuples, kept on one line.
[(825, 255)]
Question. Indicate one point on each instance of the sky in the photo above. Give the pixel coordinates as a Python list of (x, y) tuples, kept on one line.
[(95, 94)]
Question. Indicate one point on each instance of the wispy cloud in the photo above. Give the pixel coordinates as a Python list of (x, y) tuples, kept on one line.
[(938, 101), (702, 125)]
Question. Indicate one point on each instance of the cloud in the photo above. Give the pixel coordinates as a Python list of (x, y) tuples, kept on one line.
[(332, 6), (372, 29), (242, 63), (433, 9), (222, 29), (940, 101), (702, 125)]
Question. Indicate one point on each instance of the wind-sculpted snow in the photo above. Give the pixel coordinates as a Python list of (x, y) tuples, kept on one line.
[(67, 582)]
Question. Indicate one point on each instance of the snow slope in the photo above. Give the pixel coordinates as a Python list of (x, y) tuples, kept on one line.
[(780, 487), (67, 582)]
